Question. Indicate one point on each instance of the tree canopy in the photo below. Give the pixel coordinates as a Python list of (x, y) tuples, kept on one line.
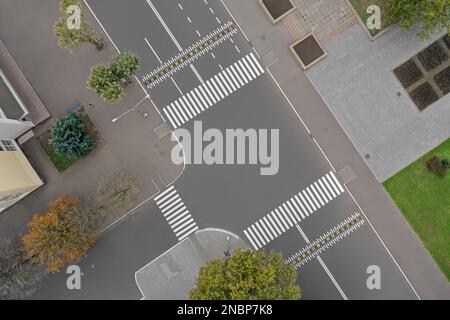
[(108, 80), (60, 236), (247, 276), (70, 137), (432, 15)]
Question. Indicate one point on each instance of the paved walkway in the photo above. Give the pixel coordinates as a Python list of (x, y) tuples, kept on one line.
[(272, 43), (174, 273), (325, 18), (59, 78)]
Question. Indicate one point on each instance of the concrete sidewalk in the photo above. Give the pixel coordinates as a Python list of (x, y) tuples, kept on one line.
[(59, 78), (272, 43), (174, 273)]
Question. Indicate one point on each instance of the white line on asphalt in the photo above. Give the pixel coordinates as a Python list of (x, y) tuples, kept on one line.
[(189, 19), (176, 85), (157, 57), (164, 25), (196, 73), (218, 20), (237, 49), (151, 48), (198, 33), (181, 8), (338, 287), (322, 152)]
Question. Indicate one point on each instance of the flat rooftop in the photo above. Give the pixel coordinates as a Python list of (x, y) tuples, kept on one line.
[(9, 104)]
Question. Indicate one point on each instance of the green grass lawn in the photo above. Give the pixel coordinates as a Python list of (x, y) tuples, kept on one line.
[(60, 162), (361, 6), (424, 199)]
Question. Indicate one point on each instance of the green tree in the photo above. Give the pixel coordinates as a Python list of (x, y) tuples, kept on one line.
[(125, 65), (75, 38), (113, 92), (432, 15), (108, 80), (70, 138), (60, 236), (247, 276)]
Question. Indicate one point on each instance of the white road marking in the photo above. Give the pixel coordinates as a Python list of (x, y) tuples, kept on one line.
[(176, 214), (213, 91), (292, 211)]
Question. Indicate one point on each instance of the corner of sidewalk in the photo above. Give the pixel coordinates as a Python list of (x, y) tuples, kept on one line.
[(173, 274), (272, 42)]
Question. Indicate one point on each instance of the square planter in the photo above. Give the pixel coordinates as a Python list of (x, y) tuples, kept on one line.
[(277, 9), (308, 51)]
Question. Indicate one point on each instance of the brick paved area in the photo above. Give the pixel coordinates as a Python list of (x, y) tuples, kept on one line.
[(325, 18)]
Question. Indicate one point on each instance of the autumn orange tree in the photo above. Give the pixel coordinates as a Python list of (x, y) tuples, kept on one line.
[(60, 236)]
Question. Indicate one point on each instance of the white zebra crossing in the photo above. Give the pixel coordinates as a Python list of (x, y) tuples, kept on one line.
[(175, 212), (294, 210), (213, 90)]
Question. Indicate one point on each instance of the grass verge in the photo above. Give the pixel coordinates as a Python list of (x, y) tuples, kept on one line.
[(424, 199), (361, 6)]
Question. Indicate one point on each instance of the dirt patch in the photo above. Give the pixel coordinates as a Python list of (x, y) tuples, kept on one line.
[(308, 50), (277, 8), (433, 56), (408, 73), (442, 79), (424, 95)]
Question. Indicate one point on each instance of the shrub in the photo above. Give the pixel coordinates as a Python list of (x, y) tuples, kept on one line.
[(437, 166), (70, 138)]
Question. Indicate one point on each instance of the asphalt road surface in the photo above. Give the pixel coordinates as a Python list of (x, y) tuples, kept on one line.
[(316, 213)]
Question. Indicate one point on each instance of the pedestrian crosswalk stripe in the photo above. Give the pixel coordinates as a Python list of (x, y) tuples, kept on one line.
[(175, 212), (329, 198), (314, 200), (305, 203), (302, 211), (329, 188), (213, 90), (197, 97), (195, 105), (294, 210), (278, 221), (321, 192), (250, 238), (336, 182), (236, 76), (262, 232), (263, 224), (275, 226)]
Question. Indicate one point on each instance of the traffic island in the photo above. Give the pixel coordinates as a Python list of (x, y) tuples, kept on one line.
[(308, 51), (277, 9), (174, 273)]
